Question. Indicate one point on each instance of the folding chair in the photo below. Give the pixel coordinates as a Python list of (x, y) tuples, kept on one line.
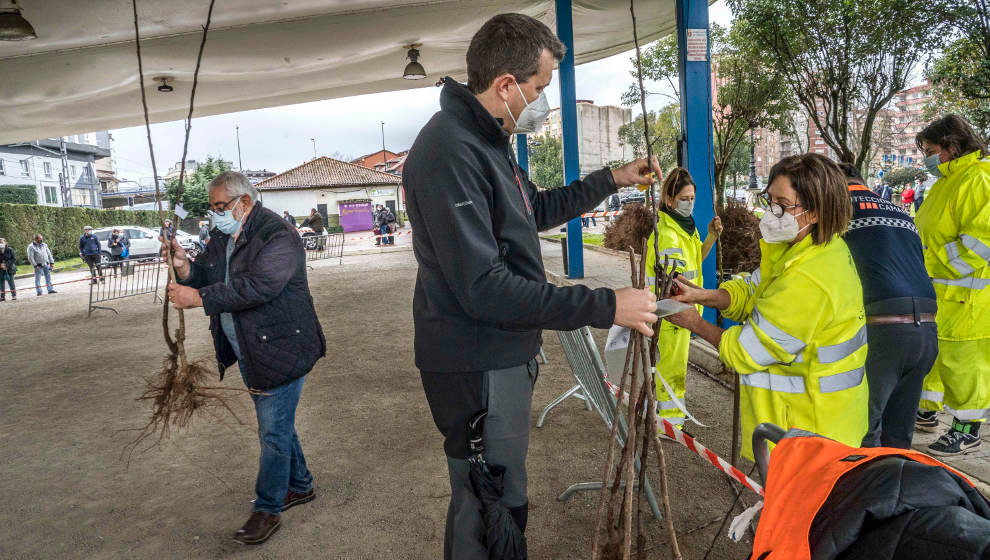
[(589, 370)]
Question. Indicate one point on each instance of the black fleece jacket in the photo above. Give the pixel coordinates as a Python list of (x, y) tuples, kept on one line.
[(481, 292)]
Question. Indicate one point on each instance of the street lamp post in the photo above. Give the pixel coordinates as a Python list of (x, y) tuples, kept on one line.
[(384, 162), (313, 140), (752, 159)]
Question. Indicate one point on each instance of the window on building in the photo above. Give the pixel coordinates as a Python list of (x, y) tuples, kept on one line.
[(25, 168), (48, 169), (819, 141), (51, 195), (73, 172), (2, 172), (89, 174), (819, 151)]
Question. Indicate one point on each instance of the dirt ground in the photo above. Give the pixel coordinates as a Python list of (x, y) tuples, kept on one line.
[(68, 386)]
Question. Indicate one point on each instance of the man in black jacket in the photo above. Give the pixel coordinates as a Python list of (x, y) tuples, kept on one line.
[(481, 294), (252, 283)]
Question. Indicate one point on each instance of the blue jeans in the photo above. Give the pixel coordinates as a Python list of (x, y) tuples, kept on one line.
[(48, 279), (282, 466), (9, 279)]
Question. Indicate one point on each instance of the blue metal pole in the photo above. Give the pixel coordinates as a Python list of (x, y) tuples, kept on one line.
[(696, 117), (522, 152), (568, 117)]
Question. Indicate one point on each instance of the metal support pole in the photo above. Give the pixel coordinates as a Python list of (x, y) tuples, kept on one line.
[(522, 152), (568, 116), (696, 116)]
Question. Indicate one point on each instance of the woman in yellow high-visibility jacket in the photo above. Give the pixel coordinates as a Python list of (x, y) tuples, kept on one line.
[(800, 355), (677, 238), (954, 223)]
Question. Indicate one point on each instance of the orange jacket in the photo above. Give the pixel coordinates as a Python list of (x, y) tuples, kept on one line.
[(802, 472)]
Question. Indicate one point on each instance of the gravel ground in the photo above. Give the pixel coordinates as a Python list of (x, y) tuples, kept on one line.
[(69, 389)]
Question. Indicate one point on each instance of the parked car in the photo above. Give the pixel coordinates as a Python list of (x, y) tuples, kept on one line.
[(632, 197), (144, 242)]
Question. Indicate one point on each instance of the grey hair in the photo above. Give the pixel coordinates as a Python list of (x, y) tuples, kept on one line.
[(235, 183)]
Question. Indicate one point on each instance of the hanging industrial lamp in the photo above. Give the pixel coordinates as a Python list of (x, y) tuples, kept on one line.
[(13, 26), (414, 70)]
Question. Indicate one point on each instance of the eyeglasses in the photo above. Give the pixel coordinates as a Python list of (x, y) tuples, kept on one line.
[(776, 209), (222, 211)]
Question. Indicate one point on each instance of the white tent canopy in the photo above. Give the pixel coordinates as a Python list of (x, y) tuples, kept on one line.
[(80, 75)]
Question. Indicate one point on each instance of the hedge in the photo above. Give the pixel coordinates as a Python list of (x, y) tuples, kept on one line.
[(18, 194), (61, 227)]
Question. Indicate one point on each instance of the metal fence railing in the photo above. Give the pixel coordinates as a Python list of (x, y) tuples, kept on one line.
[(123, 279), (589, 371), (329, 246)]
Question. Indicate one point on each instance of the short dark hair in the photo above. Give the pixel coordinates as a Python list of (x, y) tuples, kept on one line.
[(822, 189), (850, 170), (509, 44), (952, 132)]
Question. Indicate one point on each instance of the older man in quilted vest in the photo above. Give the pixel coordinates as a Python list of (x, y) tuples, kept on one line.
[(251, 281)]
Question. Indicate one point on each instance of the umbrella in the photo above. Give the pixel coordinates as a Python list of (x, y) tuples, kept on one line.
[(504, 538)]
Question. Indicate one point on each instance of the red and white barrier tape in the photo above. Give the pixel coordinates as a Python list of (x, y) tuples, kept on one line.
[(601, 214), (379, 236), (698, 449)]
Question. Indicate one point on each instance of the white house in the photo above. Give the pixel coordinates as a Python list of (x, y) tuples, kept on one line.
[(344, 193), (39, 163)]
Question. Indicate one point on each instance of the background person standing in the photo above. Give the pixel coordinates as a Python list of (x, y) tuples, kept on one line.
[(40, 257), (89, 250), (8, 267), (900, 311), (481, 296), (954, 223)]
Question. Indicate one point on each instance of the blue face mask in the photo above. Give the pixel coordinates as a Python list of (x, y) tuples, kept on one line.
[(226, 222), (931, 163)]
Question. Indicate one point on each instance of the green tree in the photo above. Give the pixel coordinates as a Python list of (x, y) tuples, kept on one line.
[(749, 94), (195, 198), (546, 162), (665, 129), (840, 58), (903, 175), (737, 168), (961, 83)]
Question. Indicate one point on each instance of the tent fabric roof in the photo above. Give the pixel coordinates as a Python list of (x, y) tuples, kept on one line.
[(80, 75), (328, 173)]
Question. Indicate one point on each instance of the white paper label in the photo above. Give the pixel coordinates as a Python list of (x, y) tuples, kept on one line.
[(181, 212), (697, 45)]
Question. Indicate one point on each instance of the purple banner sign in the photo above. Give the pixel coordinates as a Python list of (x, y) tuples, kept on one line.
[(355, 216)]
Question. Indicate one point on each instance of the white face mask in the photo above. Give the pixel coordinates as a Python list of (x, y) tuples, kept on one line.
[(684, 207), (532, 115), (780, 230), (2, 246)]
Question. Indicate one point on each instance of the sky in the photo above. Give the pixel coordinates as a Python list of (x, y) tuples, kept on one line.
[(278, 138)]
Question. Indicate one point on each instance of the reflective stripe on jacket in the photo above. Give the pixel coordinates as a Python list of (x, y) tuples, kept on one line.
[(801, 354), (683, 250), (954, 223), (803, 470)]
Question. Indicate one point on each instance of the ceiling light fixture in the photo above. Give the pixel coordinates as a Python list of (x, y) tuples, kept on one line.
[(414, 70), (164, 87), (13, 26)]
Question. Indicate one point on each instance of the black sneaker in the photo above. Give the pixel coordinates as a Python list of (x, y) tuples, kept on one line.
[(926, 421), (954, 443)]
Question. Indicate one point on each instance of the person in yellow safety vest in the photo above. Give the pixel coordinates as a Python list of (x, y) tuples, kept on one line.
[(677, 238), (954, 223), (800, 355)]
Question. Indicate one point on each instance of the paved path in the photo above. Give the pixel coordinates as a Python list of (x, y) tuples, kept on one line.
[(613, 271)]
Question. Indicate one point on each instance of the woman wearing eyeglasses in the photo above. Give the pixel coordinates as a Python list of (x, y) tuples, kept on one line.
[(801, 353), (677, 239)]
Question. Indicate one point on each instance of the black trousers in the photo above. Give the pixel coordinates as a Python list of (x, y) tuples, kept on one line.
[(454, 398), (899, 358), (95, 266)]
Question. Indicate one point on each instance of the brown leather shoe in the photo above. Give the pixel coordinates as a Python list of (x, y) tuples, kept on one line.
[(259, 527), (297, 498)]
